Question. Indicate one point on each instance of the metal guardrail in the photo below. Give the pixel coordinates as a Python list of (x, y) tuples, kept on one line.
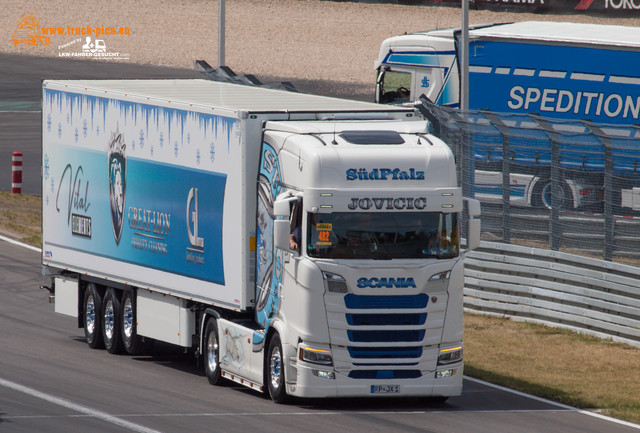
[(224, 74), (585, 295)]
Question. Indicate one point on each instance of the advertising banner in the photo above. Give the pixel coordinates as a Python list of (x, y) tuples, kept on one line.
[(134, 187), (593, 7)]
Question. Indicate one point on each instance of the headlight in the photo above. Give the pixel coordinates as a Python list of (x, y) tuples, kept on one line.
[(441, 276), (316, 356), (446, 373), (324, 374), (334, 283), (449, 356)]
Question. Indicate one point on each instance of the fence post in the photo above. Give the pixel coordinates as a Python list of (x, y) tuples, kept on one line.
[(16, 173), (555, 232), (608, 190), (506, 174)]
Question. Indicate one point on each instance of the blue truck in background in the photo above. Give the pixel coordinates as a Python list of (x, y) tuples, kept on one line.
[(575, 74)]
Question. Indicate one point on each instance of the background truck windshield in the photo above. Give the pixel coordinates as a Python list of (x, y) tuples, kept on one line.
[(395, 87), (383, 236)]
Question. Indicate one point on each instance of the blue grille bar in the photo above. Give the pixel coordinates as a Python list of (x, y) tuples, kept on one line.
[(390, 302), (385, 336), (385, 374), (385, 352), (386, 319)]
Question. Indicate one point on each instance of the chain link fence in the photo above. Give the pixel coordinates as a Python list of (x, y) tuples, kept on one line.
[(562, 185)]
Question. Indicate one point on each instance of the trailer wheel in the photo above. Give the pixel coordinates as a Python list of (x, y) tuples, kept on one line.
[(212, 353), (111, 321), (92, 307), (542, 196), (275, 371), (132, 342)]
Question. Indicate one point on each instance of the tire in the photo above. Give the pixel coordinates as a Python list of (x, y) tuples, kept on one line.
[(542, 196), (92, 311), (111, 321), (133, 344), (275, 371), (212, 352)]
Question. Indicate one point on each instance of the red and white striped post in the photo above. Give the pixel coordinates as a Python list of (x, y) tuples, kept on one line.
[(16, 173)]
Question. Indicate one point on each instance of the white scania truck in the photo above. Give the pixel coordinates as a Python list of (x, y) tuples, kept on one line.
[(301, 245)]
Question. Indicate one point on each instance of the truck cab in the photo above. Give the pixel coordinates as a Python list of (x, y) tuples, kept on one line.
[(372, 296), (422, 63)]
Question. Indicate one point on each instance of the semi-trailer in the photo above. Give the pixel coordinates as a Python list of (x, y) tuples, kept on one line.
[(300, 245)]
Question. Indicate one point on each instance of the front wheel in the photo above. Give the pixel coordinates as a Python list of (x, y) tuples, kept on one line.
[(92, 309), (275, 371), (212, 353)]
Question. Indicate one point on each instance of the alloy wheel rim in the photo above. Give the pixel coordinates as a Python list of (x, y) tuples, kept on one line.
[(212, 352), (128, 318), (276, 368), (108, 320), (90, 315)]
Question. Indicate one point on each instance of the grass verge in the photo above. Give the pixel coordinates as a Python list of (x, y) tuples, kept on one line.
[(20, 217), (580, 371), (559, 365)]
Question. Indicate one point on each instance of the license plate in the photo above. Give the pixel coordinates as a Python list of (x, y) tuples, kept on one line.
[(385, 389)]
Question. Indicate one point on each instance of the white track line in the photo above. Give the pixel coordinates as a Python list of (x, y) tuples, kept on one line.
[(21, 244), (76, 407), (559, 405)]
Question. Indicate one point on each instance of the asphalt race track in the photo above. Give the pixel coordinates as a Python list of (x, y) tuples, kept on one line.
[(51, 381)]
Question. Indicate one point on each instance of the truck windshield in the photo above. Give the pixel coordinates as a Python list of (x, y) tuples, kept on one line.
[(383, 236), (394, 87)]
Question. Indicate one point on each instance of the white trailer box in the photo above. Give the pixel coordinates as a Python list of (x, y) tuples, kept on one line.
[(152, 183)]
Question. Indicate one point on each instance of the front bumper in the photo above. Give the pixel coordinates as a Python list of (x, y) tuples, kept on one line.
[(309, 385)]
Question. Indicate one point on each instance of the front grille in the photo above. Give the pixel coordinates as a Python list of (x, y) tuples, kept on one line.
[(381, 337)]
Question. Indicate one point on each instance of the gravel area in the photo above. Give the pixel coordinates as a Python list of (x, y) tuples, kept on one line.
[(289, 39)]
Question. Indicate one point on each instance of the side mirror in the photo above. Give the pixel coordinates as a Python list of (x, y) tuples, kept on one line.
[(282, 226), (378, 80), (281, 234), (473, 232)]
